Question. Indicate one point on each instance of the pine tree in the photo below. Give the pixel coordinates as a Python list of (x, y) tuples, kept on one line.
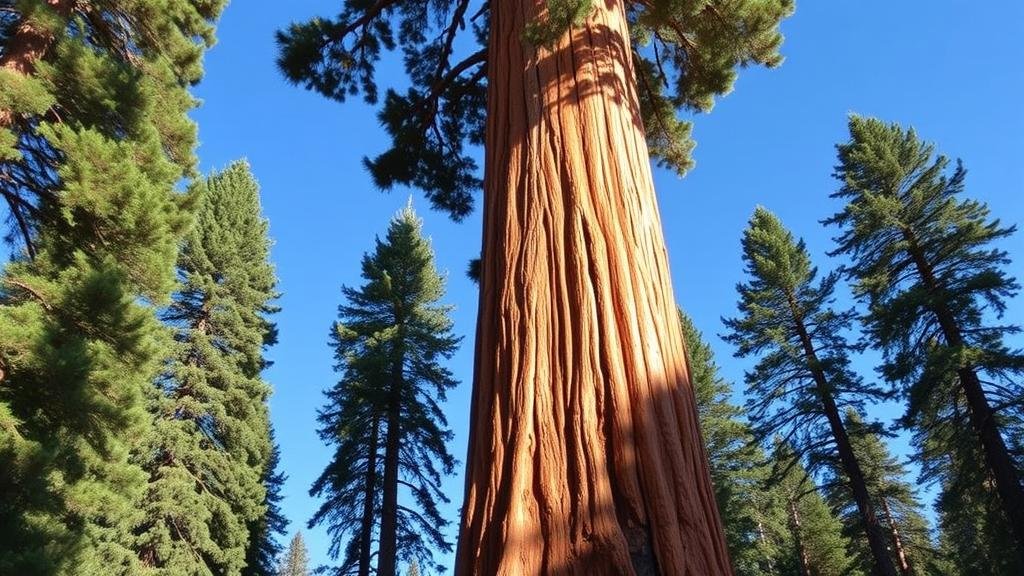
[(263, 547), (384, 415), (973, 532), (739, 469), (94, 135), (803, 378), (923, 263), (900, 511), (211, 449), (574, 270), (296, 560), (818, 546)]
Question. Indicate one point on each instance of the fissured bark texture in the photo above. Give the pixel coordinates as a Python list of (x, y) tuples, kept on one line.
[(585, 455)]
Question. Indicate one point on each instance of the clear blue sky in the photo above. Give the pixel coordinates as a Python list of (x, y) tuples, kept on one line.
[(952, 69)]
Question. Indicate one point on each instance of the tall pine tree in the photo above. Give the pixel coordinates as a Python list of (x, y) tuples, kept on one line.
[(296, 560), (803, 377), (384, 415), (211, 449), (924, 263), (900, 512), (576, 311), (94, 135)]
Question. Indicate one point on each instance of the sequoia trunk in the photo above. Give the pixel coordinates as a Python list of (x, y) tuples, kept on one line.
[(585, 455), (27, 45)]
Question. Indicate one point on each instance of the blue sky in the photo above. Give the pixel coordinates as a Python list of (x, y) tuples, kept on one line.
[(950, 68)]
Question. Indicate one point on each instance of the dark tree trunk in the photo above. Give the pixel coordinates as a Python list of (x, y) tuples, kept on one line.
[(872, 527), (369, 495), (997, 455), (388, 552), (585, 455)]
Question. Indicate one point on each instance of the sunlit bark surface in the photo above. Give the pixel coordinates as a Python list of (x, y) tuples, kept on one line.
[(585, 454)]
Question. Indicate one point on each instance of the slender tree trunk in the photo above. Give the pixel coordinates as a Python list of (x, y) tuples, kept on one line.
[(997, 456), (387, 554), (897, 541), (27, 45), (872, 527), (801, 550), (369, 494), (585, 455)]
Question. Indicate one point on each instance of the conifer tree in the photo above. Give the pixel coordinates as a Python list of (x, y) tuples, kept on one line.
[(900, 511), (569, 98), (803, 378), (211, 449), (263, 547), (94, 136), (924, 264), (739, 470), (384, 415), (818, 546), (296, 560)]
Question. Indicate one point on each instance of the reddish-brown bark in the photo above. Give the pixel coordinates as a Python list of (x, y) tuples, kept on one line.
[(897, 542), (585, 455), (26, 46)]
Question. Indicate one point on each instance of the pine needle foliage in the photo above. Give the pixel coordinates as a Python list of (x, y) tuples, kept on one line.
[(211, 448), (925, 262), (904, 203), (781, 306), (686, 54), (389, 340), (94, 135)]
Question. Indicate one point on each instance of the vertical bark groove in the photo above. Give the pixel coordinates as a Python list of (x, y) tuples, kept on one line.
[(585, 454)]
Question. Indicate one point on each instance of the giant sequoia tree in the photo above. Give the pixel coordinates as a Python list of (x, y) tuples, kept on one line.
[(803, 376), (924, 263), (93, 137), (585, 453)]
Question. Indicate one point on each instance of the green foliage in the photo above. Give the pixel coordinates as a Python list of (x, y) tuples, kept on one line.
[(816, 533), (686, 54), (94, 136), (388, 341), (897, 501), (780, 306), (296, 560), (738, 466), (263, 548), (905, 210), (211, 452)]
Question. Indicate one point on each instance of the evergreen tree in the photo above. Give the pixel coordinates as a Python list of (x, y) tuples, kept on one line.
[(574, 283), (211, 449), (94, 135), (296, 560), (819, 547), (384, 416), (263, 547), (973, 533), (802, 379), (899, 509), (923, 262), (739, 470)]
